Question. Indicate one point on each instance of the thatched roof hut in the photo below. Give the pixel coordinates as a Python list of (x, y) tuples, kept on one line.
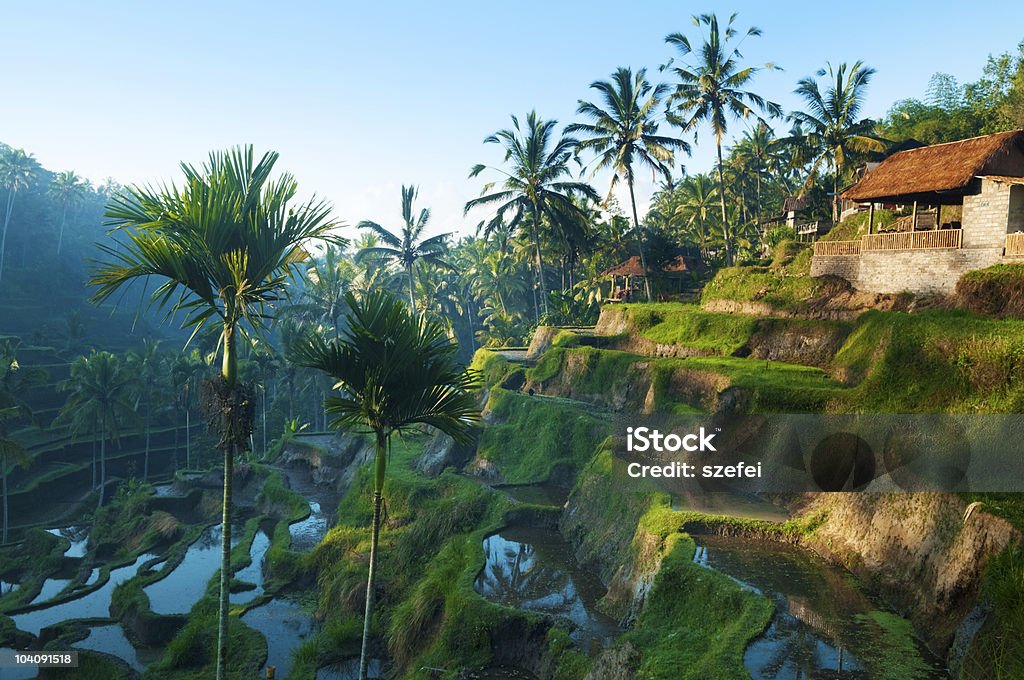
[(677, 267), (941, 173)]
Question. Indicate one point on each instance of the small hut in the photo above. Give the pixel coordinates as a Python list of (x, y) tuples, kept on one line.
[(625, 276)]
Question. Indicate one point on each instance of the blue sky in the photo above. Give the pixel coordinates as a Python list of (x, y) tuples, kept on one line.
[(361, 97)]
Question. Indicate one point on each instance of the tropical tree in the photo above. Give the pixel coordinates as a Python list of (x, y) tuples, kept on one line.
[(407, 248), (831, 120), (713, 90), (100, 401), (697, 196), (537, 182), (394, 372), (625, 133), (145, 367), (224, 245), (324, 286), (17, 170), (15, 380), (67, 188)]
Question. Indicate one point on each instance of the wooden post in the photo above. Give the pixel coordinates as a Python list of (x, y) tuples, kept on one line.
[(913, 221), (938, 216), (871, 217)]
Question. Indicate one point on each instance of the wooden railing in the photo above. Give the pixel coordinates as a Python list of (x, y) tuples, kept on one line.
[(914, 240), (1015, 244), (827, 248)]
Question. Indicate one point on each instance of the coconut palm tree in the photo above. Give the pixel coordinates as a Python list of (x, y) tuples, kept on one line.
[(535, 184), (17, 170), (697, 196), (15, 380), (145, 366), (625, 133), (831, 120), (407, 248), (394, 372), (224, 245), (67, 188), (99, 400), (713, 90)]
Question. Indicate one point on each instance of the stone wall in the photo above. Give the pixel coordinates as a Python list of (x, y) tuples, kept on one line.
[(985, 216), (844, 266), (921, 271)]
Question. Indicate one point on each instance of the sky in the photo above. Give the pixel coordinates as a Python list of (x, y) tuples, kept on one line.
[(360, 98)]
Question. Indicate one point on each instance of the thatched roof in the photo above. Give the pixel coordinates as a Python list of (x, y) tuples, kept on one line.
[(633, 267), (931, 172)]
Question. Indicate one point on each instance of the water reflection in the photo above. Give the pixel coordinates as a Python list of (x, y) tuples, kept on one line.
[(181, 589), (253, 573), (111, 640), (822, 621), (533, 569), (285, 625), (94, 605), (307, 533)]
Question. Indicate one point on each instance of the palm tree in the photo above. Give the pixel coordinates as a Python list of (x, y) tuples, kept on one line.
[(756, 152), (323, 293), (394, 372), (187, 370), (625, 133), (17, 170), (100, 398), (697, 195), (712, 90), (15, 380), (407, 249), (831, 120), (225, 245), (534, 184), (67, 188), (144, 365)]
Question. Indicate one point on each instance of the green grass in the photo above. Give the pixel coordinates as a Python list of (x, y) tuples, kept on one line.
[(695, 622), (686, 325), (563, 436)]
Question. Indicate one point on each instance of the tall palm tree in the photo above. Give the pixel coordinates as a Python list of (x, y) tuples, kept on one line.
[(756, 152), (15, 380), (407, 248), (17, 170), (394, 372), (831, 119), (625, 133), (224, 245), (100, 397), (535, 184), (713, 90), (67, 188), (145, 367)]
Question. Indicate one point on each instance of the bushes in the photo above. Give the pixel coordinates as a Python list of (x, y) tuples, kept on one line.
[(995, 291)]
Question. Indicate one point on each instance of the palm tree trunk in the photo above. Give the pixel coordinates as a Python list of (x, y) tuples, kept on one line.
[(639, 240), (835, 192), (534, 232), (188, 438), (103, 466), (263, 402), (4, 464), (412, 298), (721, 196), (229, 371), (3, 236), (145, 460), (380, 465), (60, 234)]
